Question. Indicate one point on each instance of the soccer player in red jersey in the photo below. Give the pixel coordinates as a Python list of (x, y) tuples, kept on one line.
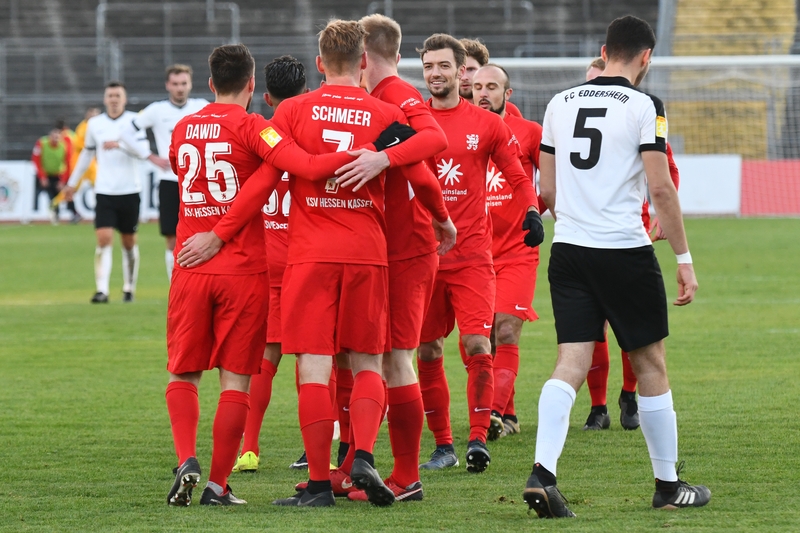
[(597, 378), (412, 254), (477, 57), (464, 289), (514, 263), (217, 311), (335, 290)]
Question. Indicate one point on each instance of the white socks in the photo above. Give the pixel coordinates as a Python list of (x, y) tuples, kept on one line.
[(130, 268), (102, 268), (555, 404), (660, 429), (169, 259)]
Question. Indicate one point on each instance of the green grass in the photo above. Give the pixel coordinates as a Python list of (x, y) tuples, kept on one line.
[(85, 443)]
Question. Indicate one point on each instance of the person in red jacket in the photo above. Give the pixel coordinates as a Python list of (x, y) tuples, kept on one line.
[(51, 156)]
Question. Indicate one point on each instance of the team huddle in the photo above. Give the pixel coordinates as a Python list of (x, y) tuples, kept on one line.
[(361, 223)]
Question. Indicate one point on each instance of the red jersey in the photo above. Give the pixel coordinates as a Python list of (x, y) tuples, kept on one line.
[(474, 135), (214, 152), (276, 226), (676, 180), (513, 110), (508, 215), (328, 223), (408, 223)]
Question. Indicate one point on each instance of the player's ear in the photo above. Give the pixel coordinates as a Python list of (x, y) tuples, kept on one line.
[(398, 57), (211, 85), (363, 61), (251, 85), (267, 99), (320, 66), (603, 53), (646, 56), (508, 93)]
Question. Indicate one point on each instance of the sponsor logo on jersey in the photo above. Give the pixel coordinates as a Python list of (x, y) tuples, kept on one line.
[(270, 136), (449, 172), (661, 127), (494, 179)]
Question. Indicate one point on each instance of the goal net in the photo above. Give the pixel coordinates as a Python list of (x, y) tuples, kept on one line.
[(734, 123)]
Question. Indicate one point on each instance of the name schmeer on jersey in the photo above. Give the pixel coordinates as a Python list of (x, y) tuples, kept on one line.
[(341, 115), (594, 93)]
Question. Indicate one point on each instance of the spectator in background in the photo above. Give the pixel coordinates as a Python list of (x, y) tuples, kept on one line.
[(51, 155)]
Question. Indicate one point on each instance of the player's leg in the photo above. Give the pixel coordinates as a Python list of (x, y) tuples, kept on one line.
[(507, 329), (438, 323), (127, 224), (168, 203), (628, 407), (473, 296), (53, 184), (597, 381), (104, 222), (241, 306), (344, 390)]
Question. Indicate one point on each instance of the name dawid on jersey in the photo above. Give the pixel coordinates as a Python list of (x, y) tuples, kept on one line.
[(602, 127)]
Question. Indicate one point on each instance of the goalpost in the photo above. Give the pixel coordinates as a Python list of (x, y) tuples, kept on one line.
[(734, 123)]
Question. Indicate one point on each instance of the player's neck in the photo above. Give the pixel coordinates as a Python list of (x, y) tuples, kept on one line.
[(116, 116), (242, 99), (624, 70), (378, 72), (446, 102), (348, 79), (177, 103)]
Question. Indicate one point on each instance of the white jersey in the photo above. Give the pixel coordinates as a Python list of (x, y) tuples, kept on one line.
[(117, 168), (161, 117), (597, 132)]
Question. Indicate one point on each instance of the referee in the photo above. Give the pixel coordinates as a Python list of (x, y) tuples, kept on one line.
[(600, 141)]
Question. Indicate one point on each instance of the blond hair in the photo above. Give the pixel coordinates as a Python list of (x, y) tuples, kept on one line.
[(178, 68), (598, 63), (383, 36), (341, 45)]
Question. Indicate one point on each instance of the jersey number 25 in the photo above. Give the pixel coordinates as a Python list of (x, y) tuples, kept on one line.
[(189, 163)]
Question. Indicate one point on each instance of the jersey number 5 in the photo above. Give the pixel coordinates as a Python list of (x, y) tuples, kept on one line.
[(189, 163), (594, 135)]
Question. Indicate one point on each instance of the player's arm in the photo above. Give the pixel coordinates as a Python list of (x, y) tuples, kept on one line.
[(289, 156), (428, 141), (36, 158), (201, 247), (674, 174), (429, 193), (547, 179), (134, 139)]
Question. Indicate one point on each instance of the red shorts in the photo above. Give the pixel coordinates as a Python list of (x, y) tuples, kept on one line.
[(215, 321), (516, 283), (330, 307), (274, 320), (465, 295), (410, 290)]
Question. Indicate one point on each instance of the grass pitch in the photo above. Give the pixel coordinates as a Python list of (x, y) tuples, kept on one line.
[(85, 443)]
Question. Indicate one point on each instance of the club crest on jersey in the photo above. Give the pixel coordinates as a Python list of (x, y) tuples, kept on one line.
[(449, 172), (472, 141), (331, 187), (661, 127), (494, 179), (270, 136)]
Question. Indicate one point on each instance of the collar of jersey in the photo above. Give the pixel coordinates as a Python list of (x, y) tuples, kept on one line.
[(611, 80)]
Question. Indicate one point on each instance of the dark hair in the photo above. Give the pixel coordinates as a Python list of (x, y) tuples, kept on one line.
[(286, 77), (440, 41), (61, 123), (628, 36), (115, 83), (231, 67), (476, 50)]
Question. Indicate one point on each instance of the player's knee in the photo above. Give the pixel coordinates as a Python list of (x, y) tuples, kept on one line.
[(475, 344), (429, 351)]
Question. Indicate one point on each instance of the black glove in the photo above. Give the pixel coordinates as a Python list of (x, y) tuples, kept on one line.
[(533, 223), (393, 135)]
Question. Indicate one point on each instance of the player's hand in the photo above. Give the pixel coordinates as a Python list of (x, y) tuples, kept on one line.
[(43, 182), (160, 162), (535, 228), (359, 171), (393, 135), (110, 145), (199, 248), (69, 193), (687, 284), (657, 234), (446, 235)]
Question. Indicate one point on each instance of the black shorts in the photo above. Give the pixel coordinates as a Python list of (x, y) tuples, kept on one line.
[(120, 212), (590, 285), (168, 202)]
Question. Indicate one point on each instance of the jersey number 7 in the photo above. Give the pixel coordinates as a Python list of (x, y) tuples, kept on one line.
[(594, 135)]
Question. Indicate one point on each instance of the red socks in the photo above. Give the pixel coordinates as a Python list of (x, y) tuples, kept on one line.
[(344, 388), (260, 394), (316, 425), (463, 352), (628, 377), (405, 432), (436, 399), (506, 366), (184, 413), (480, 393), (366, 409), (597, 378), (510, 411), (228, 427)]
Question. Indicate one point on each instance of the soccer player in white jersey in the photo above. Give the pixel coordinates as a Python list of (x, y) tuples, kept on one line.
[(161, 117), (600, 141), (117, 187)]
